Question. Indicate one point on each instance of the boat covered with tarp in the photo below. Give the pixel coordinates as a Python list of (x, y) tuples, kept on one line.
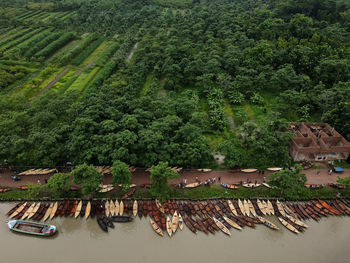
[(33, 228)]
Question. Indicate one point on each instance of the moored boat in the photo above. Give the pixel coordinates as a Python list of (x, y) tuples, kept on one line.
[(135, 208), (168, 226), (156, 227), (232, 207), (288, 225), (222, 227), (77, 211), (175, 222), (48, 212), (53, 211), (33, 228), (181, 223), (232, 223), (267, 223), (88, 210), (121, 219), (18, 210)]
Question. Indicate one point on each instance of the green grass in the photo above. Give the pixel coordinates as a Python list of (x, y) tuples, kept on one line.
[(146, 85), (84, 79)]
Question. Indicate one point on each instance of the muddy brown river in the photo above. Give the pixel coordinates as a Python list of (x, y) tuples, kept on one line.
[(80, 240)]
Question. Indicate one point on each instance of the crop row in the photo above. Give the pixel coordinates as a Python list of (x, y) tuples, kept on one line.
[(27, 15), (75, 51), (106, 54), (15, 36), (85, 53), (41, 44)]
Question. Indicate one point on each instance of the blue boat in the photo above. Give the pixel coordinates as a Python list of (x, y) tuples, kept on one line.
[(338, 169)]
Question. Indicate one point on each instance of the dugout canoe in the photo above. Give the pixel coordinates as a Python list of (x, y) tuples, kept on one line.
[(270, 208), (288, 225), (266, 185), (33, 228), (53, 211), (116, 205), (121, 208), (222, 227), (156, 228), (297, 221), (175, 222), (193, 185), (246, 207), (159, 205), (229, 186), (88, 210), (249, 170), (72, 212), (334, 211), (267, 223), (14, 208), (280, 208), (241, 207), (121, 219), (107, 206), (135, 208), (28, 212), (232, 207), (261, 207), (274, 169), (18, 210), (48, 212), (168, 226), (251, 208), (112, 211), (181, 222), (77, 211), (232, 223)]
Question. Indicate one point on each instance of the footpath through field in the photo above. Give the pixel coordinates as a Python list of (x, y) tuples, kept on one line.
[(141, 177)]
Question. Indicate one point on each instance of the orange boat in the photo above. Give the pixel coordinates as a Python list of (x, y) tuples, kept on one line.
[(23, 187), (334, 211), (72, 212)]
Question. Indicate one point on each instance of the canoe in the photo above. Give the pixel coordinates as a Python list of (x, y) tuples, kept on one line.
[(121, 219), (222, 227), (35, 209), (175, 222), (251, 185), (241, 207), (116, 205), (249, 170), (121, 208), (168, 226), (280, 208), (267, 210), (232, 208), (246, 207), (78, 210), (53, 211), (88, 210), (229, 186), (112, 211), (181, 222), (156, 227), (193, 185), (267, 223), (261, 207), (232, 223), (159, 206), (102, 224), (48, 212), (18, 210), (266, 185), (274, 169), (28, 212), (297, 221), (270, 208), (33, 228), (288, 226), (135, 208), (106, 188), (329, 207), (107, 212), (251, 208)]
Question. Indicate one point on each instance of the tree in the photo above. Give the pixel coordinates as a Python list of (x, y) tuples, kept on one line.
[(121, 175), (36, 190), (290, 184), (159, 179), (59, 183), (88, 177), (344, 181)]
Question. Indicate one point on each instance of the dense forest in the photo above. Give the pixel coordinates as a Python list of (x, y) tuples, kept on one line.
[(145, 81)]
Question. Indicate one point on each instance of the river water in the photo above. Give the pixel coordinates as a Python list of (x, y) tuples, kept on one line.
[(80, 240)]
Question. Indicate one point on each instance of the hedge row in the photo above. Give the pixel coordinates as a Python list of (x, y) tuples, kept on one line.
[(41, 44), (106, 54), (15, 36), (55, 45), (83, 55)]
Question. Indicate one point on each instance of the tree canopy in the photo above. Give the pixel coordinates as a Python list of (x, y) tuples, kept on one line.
[(159, 180), (88, 177), (121, 174)]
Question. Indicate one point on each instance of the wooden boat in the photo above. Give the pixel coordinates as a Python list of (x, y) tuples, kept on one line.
[(102, 223), (280, 208), (23, 187), (251, 185), (274, 169), (156, 227), (135, 208), (88, 210), (267, 223), (334, 211), (72, 212), (106, 188), (175, 222), (241, 207), (251, 208), (112, 211), (222, 227), (121, 208), (121, 219), (33, 228), (53, 211), (181, 223), (18, 210), (12, 210), (48, 212), (297, 221), (266, 185), (78, 210), (249, 170), (159, 205), (3, 190), (288, 225), (116, 205), (168, 226), (261, 207), (229, 186), (246, 207), (107, 206), (232, 207), (28, 212), (270, 208), (130, 192), (193, 185), (232, 223)]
